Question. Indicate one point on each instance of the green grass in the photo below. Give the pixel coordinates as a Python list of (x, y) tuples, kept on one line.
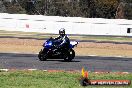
[(76, 37), (108, 38), (41, 79)]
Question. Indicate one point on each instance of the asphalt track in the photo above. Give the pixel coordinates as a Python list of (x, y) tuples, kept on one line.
[(90, 63)]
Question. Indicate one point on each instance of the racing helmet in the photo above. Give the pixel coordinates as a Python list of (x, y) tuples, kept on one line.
[(62, 31)]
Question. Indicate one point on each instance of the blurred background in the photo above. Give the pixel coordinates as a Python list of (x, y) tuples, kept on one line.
[(111, 9)]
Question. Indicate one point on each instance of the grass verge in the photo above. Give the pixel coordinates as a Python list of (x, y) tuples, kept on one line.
[(76, 37), (41, 79)]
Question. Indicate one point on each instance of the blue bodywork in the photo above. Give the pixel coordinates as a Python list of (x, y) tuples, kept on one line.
[(49, 44)]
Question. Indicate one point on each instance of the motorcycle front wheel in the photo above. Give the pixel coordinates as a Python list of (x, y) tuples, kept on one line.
[(42, 56), (71, 55)]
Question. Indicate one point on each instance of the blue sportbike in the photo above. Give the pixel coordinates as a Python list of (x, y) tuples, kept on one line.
[(52, 51)]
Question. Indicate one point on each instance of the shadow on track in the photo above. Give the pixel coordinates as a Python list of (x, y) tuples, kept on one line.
[(61, 60)]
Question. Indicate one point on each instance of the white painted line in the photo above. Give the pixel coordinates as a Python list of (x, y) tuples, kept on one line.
[(45, 70), (96, 72), (4, 70), (21, 53), (119, 56), (32, 69), (92, 55), (109, 56)]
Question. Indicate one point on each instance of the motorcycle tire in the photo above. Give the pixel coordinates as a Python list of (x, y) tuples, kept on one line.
[(71, 56), (42, 56)]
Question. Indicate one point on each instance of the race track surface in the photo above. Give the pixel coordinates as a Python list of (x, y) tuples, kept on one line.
[(90, 63)]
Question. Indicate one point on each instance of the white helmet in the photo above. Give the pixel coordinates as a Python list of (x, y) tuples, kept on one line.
[(62, 31)]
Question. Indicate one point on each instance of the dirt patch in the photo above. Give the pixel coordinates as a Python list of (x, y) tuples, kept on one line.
[(9, 45)]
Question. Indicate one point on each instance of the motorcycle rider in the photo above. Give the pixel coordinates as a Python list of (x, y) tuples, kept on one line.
[(63, 38)]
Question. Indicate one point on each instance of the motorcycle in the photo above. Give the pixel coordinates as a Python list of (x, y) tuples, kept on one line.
[(52, 51)]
